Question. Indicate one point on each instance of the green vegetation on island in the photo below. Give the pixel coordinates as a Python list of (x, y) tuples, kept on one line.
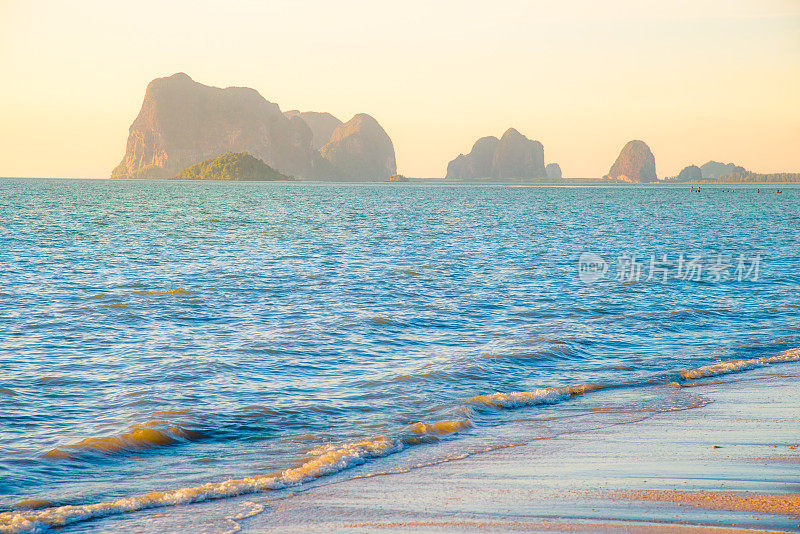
[(237, 166)]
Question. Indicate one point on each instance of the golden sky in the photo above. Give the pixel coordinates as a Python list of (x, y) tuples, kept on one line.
[(696, 80)]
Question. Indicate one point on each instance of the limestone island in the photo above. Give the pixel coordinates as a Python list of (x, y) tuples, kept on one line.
[(635, 164), (513, 156), (716, 172), (183, 122), (235, 166)]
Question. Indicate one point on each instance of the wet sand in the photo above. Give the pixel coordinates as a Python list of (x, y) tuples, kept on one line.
[(730, 465)]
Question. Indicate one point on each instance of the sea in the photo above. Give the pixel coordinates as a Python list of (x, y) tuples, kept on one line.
[(165, 343)]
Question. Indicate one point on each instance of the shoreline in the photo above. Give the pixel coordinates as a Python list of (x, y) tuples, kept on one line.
[(725, 463), (726, 466)]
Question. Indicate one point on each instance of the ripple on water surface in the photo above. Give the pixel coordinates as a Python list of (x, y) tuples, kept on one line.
[(240, 337)]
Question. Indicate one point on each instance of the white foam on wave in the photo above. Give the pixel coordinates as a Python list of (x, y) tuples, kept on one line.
[(246, 511), (553, 395), (549, 395), (324, 461), (440, 428), (734, 366), (331, 459)]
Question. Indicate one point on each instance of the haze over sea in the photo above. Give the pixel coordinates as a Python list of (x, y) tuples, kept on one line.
[(227, 338)]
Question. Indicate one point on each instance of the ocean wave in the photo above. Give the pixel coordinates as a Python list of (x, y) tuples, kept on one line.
[(553, 395), (175, 291), (116, 305), (324, 460), (549, 352), (550, 395), (150, 292), (441, 428), (138, 437), (734, 366)]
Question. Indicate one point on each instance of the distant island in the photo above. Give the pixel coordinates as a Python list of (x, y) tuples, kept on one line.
[(635, 164), (716, 172), (236, 166), (193, 131), (755, 177), (183, 122), (511, 156)]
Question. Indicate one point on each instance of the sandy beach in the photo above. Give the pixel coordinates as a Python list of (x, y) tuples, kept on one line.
[(728, 465)]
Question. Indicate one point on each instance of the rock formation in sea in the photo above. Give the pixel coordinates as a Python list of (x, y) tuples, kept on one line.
[(553, 171), (692, 173), (634, 164), (715, 169), (231, 166), (518, 157), (710, 173), (322, 125), (476, 164), (511, 156), (183, 122), (360, 149)]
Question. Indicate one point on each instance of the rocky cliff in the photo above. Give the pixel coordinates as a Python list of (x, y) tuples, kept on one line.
[(635, 164), (518, 157), (183, 122), (511, 156), (360, 149), (322, 125), (477, 164)]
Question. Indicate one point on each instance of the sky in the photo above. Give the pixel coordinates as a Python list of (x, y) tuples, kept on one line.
[(697, 80)]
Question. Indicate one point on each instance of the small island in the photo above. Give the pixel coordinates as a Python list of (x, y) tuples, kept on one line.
[(513, 156), (235, 166), (635, 164), (730, 173)]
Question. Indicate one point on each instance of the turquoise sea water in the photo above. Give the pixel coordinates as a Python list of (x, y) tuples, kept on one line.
[(165, 335)]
